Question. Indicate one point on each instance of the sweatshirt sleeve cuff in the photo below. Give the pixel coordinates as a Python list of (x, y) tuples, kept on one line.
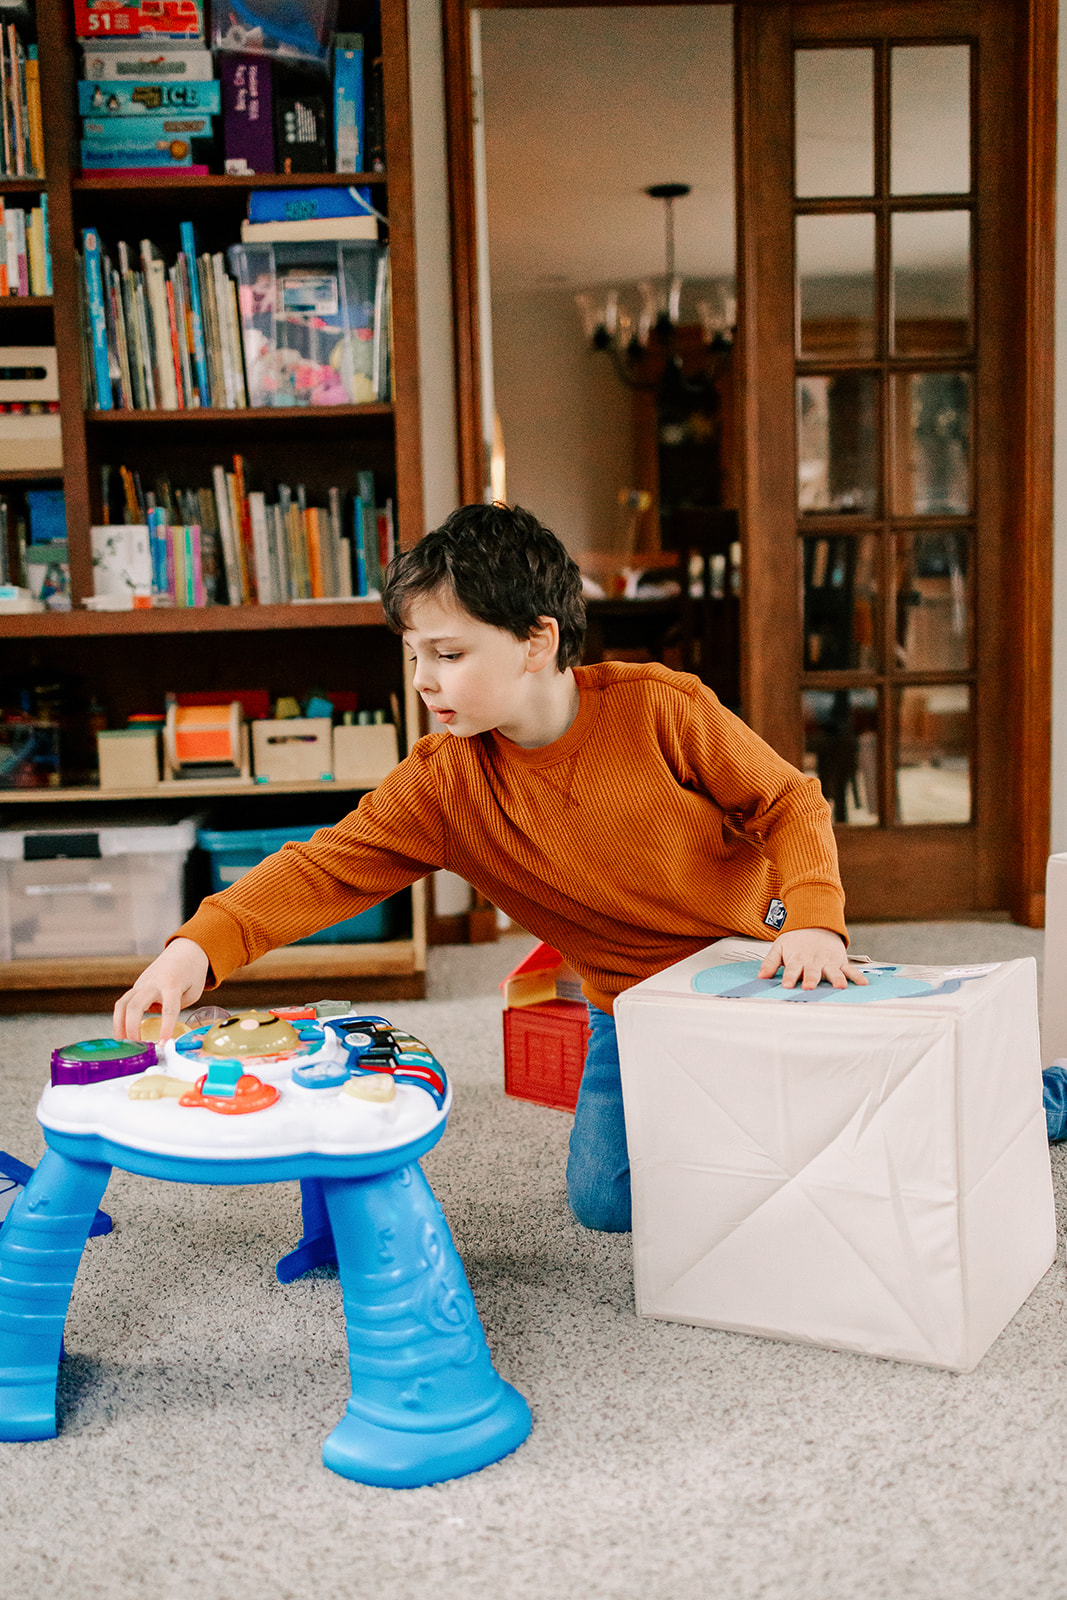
[(815, 906), (219, 937)]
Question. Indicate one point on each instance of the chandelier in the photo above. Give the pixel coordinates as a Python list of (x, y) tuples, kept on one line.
[(643, 343)]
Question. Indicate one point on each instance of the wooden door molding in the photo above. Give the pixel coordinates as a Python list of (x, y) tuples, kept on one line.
[(1016, 128)]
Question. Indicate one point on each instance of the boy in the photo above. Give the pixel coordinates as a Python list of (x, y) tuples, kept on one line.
[(617, 811)]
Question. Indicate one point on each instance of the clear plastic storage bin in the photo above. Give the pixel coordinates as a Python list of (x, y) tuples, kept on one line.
[(84, 891), (313, 322)]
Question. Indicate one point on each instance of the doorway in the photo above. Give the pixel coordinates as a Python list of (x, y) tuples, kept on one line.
[(893, 456)]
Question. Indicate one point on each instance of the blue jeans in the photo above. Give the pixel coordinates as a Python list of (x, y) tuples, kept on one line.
[(598, 1166)]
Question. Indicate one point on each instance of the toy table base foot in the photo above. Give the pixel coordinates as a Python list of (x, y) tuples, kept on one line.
[(427, 1403), (393, 1459)]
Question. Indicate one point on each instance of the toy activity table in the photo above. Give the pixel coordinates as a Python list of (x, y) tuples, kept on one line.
[(341, 1101)]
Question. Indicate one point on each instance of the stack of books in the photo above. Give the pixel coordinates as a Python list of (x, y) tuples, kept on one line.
[(148, 97), (160, 337), (25, 255), (20, 107), (229, 544)]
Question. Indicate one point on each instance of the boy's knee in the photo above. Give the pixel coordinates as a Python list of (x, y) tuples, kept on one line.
[(601, 1213)]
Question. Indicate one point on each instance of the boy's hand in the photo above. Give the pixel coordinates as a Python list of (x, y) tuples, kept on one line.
[(810, 954), (175, 979)]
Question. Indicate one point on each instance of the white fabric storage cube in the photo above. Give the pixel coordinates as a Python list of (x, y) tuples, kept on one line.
[(860, 1174)]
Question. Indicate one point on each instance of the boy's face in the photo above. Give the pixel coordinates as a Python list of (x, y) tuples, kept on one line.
[(472, 676)]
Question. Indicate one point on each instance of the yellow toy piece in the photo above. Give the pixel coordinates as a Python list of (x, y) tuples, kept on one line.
[(375, 1086), (150, 1027), (157, 1086)]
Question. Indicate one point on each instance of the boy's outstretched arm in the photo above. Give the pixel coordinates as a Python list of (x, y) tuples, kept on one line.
[(811, 954), (175, 979)]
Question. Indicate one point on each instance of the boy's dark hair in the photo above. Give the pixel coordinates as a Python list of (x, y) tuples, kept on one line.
[(502, 566)]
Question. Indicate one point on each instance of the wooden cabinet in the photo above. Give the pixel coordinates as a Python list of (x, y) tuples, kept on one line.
[(128, 661)]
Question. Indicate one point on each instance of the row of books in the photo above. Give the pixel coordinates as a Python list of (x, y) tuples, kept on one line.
[(307, 323), (20, 107), (25, 254), (228, 544), (148, 109), (160, 337)]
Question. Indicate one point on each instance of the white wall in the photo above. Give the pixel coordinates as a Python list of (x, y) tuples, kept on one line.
[(567, 420)]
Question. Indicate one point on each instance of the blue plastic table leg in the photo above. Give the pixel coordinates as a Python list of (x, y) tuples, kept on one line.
[(427, 1403), (18, 1172), (316, 1248), (40, 1249)]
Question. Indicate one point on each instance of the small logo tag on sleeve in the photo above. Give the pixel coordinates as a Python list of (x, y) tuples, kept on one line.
[(775, 915)]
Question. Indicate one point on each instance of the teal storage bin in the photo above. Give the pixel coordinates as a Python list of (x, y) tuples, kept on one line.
[(233, 851)]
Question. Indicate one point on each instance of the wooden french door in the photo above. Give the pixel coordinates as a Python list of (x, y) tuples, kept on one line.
[(890, 363)]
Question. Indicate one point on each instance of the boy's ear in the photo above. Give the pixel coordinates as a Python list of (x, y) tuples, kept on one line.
[(543, 644)]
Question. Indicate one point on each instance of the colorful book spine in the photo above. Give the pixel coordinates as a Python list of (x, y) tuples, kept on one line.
[(94, 296), (247, 115), (173, 19), (134, 158), (147, 132), (114, 59), (359, 554), (47, 246), (348, 108), (188, 241), (369, 531), (33, 108), (157, 548), (107, 99)]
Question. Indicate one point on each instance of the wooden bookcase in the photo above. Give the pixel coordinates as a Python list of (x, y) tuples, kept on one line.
[(129, 660)]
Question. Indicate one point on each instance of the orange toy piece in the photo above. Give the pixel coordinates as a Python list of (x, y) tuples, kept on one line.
[(249, 1094)]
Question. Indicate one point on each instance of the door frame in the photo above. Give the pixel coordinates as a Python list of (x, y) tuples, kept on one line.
[(768, 653)]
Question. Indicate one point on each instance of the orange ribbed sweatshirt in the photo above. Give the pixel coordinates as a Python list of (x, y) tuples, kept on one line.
[(657, 823)]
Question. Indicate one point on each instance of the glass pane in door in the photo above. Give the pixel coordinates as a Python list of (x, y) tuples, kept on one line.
[(933, 754), (834, 122), (931, 260), (837, 438), (932, 444), (930, 110), (835, 277), (841, 749), (933, 602), (840, 603)]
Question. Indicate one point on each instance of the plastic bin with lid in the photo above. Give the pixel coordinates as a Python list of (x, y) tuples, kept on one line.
[(80, 890), (235, 851)]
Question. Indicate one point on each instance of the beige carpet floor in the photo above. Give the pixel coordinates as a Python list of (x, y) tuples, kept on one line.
[(665, 1463)]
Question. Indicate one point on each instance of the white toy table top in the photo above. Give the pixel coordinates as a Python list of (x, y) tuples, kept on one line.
[(322, 1100)]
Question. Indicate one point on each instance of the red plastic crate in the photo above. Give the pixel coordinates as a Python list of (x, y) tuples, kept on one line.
[(544, 1052)]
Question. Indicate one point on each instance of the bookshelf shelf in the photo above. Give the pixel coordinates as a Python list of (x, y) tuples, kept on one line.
[(261, 180), (129, 661), (25, 302), (31, 474), (391, 958), (299, 415), (172, 790), (200, 619)]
